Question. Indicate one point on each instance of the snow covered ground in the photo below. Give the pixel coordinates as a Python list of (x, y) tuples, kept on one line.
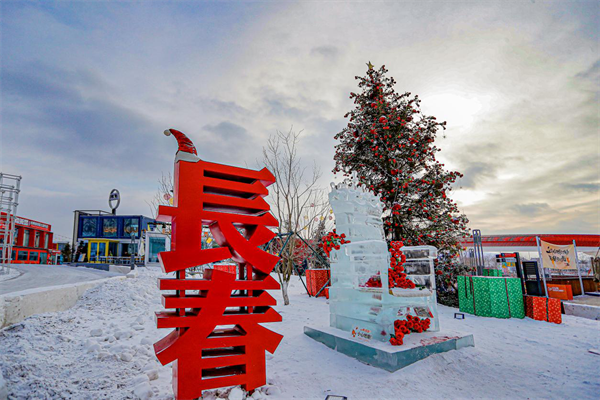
[(102, 349), (38, 276), (10, 273)]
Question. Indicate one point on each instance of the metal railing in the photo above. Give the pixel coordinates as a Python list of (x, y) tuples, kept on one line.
[(10, 187), (124, 260)]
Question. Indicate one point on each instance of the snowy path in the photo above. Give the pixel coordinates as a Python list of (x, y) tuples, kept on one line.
[(12, 274), (38, 276), (100, 348)]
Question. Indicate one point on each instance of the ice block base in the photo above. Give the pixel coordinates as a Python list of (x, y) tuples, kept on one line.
[(417, 346)]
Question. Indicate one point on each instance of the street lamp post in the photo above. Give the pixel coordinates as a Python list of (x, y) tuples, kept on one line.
[(132, 255)]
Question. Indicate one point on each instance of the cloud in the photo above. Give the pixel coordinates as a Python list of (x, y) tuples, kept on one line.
[(89, 88), (532, 208), (325, 51), (583, 187), (223, 142), (279, 108), (227, 130), (63, 116), (475, 172), (592, 74)]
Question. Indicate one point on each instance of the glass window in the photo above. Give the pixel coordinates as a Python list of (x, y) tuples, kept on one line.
[(33, 256), (43, 258), (112, 249), (109, 227), (93, 251), (46, 238), (102, 249), (88, 228), (14, 255), (36, 242), (127, 249), (22, 256), (131, 225), (156, 245), (15, 237), (26, 237)]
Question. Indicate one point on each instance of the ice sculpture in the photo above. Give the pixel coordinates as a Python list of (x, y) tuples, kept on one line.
[(352, 303)]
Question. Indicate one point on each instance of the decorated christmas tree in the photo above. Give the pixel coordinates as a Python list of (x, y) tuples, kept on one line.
[(388, 147)]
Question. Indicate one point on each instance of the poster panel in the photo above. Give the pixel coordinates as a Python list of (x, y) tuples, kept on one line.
[(558, 257)]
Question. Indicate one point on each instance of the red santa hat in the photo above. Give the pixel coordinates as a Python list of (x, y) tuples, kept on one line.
[(187, 150)]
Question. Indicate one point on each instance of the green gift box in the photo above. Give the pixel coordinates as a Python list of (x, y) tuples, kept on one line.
[(491, 296), (492, 272), (465, 295)]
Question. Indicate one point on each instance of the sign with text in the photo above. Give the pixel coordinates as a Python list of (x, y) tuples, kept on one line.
[(558, 257), (29, 222), (218, 338), (362, 334), (114, 199)]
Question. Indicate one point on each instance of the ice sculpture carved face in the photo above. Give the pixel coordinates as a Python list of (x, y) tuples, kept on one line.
[(357, 213)]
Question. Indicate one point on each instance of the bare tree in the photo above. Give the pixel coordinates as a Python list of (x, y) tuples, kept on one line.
[(162, 195), (296, 200)]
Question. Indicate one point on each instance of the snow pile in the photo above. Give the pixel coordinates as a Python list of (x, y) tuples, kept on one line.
[(102, 349), (12, 273), (94, 350)]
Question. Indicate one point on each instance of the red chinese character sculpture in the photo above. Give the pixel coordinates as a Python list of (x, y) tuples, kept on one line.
[(217, 339)]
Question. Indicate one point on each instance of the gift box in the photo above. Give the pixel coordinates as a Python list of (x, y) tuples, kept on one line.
[(561, 292), (554, 311), (528, 306), (543, 309), (465, 294), (491, 296), (226, 268), (492, 272), (315, 280)]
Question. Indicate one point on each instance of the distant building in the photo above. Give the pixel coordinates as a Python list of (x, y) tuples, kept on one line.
[(59, 245), (113, 239), (32, 242)]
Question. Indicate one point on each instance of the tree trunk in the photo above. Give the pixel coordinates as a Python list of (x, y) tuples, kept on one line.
[(284, 292)]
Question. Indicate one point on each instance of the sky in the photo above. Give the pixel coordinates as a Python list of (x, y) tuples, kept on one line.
[(88, 87)]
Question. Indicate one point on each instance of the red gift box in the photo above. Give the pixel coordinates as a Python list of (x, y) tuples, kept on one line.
[(528, 306), (315, 280), (543, 309), (554, 314), (561, 292), (226, 268)]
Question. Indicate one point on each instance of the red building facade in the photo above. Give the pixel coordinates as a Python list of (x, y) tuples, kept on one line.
[(32, 242)]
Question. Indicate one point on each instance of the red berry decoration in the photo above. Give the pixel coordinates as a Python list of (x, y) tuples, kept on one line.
[(396, 276), (405, 327), (332, 241), (374, 281)]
